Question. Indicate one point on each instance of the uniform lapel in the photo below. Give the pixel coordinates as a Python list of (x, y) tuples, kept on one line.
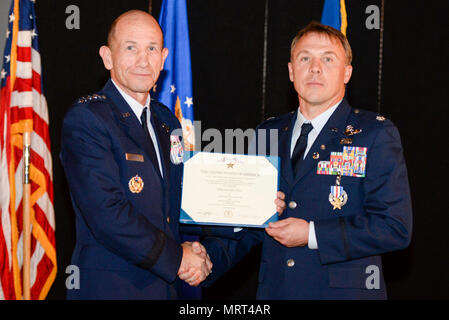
[(163, 136), (285, 138), (329, 137), (129, 121)]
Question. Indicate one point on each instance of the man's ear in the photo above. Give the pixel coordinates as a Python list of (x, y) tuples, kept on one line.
[(348, 73), (164, 56), (290, 71), (106, 56)]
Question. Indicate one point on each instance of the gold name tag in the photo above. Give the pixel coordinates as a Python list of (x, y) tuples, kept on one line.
[(134, 157)]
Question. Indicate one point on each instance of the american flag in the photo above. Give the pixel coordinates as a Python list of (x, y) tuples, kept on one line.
[(23, 109)]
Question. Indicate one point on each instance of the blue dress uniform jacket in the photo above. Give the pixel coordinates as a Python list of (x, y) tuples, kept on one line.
[(377, 217), (128, 244)]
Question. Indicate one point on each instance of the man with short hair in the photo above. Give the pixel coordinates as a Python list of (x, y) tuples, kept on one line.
[(345, 182), (125, 188)]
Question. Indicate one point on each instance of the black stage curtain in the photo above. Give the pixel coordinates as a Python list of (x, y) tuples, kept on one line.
[(227, 47)]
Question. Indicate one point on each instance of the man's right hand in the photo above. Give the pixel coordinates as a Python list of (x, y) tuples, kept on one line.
[(195, 264)]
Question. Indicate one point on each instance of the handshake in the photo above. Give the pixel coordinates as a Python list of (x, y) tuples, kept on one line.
[(195, 263)]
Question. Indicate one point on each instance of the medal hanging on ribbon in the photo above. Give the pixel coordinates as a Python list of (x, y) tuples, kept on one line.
[(338, 197)]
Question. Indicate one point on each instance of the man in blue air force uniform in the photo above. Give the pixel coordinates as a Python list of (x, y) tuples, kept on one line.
[(345, 181), (122, 156)]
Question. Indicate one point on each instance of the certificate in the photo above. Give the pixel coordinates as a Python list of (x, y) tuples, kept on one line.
[(229, 189)]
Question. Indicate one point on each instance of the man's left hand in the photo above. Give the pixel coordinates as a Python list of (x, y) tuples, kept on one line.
[(291, 232), (280, 202)]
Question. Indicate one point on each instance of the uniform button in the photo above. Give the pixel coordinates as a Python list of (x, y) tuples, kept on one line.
[(168, 219), (292, 204), (290, 263)]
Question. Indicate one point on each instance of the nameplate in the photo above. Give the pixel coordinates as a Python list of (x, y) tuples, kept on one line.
[(134, 157)]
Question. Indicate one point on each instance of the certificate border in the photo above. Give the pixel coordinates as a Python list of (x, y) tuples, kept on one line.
[(185, 218)]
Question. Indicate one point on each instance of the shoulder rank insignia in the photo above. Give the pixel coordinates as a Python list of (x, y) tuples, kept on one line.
[(165, 127), (135, 184), (92, 98), (380, 118)]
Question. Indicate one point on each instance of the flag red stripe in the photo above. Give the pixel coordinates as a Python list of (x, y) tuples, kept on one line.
[(27, 85), (23, 85), (18, 114), (37, 82), (38, 162), (39, 125), (41, 219), (41, 128), (44, 268), (24, 54), (5, 273), (5, 96)]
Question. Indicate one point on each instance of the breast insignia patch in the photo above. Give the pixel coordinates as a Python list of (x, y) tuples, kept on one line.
[(135, 184)]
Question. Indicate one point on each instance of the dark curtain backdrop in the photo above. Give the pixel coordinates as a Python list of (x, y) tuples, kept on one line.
[(227, 47)]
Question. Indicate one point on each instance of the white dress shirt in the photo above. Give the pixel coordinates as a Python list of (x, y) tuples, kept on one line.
[(318, 123), (137, 108)]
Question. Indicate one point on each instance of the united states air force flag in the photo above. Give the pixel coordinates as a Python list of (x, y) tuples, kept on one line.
[(174, 88), (335, 15)]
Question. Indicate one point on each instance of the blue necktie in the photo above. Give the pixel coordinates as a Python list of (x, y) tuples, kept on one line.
[(300, 147), (152, 150)]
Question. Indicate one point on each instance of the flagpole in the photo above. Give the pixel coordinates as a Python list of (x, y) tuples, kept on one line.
[(381, 49), (264, 68), (26, 217), (150, 7)]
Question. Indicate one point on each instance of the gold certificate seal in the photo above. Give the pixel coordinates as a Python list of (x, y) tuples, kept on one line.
[(228, 213)]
